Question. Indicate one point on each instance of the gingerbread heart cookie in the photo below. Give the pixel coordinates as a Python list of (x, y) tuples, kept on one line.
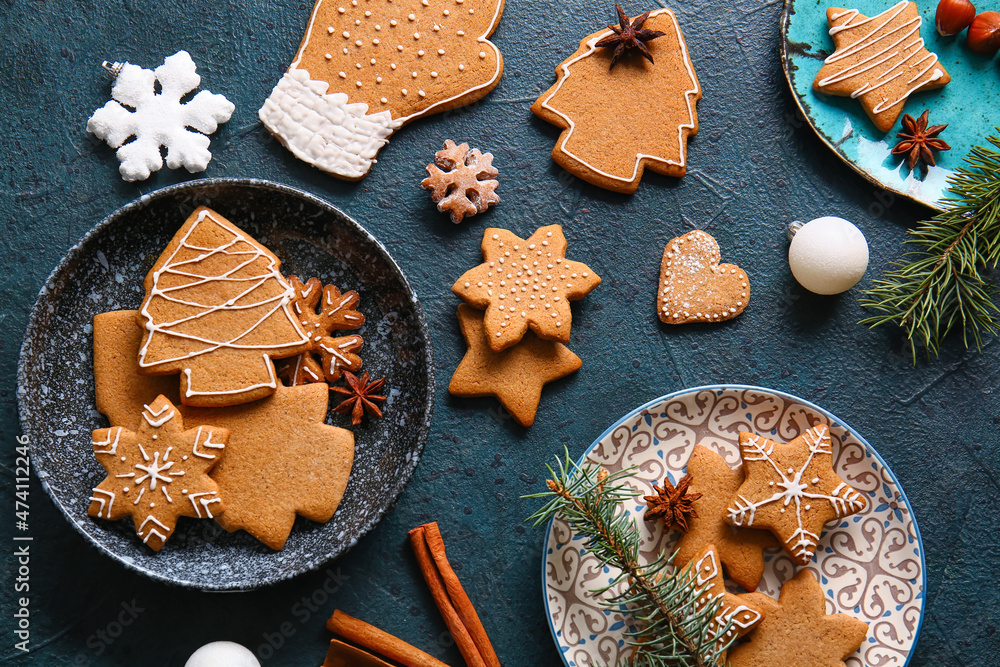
[(695, 287)]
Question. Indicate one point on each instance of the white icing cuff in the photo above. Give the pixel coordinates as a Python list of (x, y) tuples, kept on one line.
[(326, 131)]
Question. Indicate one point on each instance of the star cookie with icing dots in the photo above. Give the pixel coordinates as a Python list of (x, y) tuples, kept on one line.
[(879, 60), (792, 490), (525, 284), (797, 631), (158, 473), (738, 612), (514, 376)]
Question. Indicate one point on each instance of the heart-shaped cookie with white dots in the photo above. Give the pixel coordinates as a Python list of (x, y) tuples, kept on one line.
[(695, 287)]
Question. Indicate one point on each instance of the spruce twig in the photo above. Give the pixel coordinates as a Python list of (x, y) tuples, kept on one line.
[(672, 630), (940, 285)]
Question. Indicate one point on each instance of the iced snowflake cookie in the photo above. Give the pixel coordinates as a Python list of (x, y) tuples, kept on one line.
[(695, 287), (514, 376), (617, 121), (462, 182), (879, 60), (321, 311), (159, 119), (367, 67), (525, 284), (282, 459), (796, 630), (217, 310), (158, 472), (792, 490)]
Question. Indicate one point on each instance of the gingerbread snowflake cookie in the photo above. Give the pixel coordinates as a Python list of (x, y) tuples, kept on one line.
[(880, 61), (792, 490), (158, 473), (525, 283), (695, 287), (367, 67), (462, 182), (321, 310), (617, 121)]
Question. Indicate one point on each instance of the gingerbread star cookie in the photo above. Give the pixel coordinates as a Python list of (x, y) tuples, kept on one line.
[(514, 376), (525, 284), (792, 490), (217, 311), (320, 311), (740, 612), (695, 287), (619, 121), (158, 472), (879, 60), (797, 632), (739, 549)]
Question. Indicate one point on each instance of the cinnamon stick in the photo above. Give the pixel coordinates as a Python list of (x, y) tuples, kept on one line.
[(345, 655), (379, 641), (451, 599)]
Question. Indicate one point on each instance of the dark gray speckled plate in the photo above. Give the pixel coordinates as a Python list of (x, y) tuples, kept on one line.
[(105, 270)]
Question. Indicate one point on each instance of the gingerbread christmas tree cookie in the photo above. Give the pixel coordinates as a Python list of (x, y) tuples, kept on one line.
[(792, 490), (880, 61), (617, 121), (367, 67), (158, 472), (525, 284), (217, 310), (796, 630)]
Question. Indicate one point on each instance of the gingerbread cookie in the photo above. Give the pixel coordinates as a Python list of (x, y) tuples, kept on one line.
[(327, 357), (797, 632), (216, 311), (617, 122), (515, 376), (158, 472), (367, 67), (739, 549), (282, 459), (525, 284), (739, 612), (792, 490), (694, 287), (879, 60), (462, 181)]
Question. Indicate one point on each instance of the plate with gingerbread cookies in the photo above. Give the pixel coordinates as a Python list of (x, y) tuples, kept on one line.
[(790, 519), (901, 91), (226, 383)]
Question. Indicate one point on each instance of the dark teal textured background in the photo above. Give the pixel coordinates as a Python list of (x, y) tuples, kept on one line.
[(754, 167)]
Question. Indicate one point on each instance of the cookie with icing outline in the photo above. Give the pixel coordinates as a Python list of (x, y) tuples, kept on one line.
[(217, 311), (695, 287), (365, 68), (879, 60), (614, 120), (158, 472)]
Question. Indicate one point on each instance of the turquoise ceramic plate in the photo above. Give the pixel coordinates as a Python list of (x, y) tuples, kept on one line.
[(968, 105)]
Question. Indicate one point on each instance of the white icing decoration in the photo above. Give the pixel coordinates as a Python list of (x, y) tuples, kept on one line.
[(152, 532), (591, 48), (111, 447), (158, 422), (204, 502), (741, 616), (206, 443), (106, 508)]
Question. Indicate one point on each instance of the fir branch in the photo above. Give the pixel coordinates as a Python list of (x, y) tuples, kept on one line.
[(673, 630), (940, 285)]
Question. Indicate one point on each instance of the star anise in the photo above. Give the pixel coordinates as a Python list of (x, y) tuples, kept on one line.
[(918, 140), (361, 397), (673, 504), (629, 35)]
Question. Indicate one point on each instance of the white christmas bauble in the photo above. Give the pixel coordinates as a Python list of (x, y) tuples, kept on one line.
[(828, 255), (222, 654)]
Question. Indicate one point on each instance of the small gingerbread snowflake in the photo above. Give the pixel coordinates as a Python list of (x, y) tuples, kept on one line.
[(461, 181), (152, 119)]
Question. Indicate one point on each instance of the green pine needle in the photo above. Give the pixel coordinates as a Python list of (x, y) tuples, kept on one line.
[(939, 286), (672, 630)]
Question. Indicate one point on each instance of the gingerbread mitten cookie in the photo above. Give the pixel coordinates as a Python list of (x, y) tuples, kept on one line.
[(619, 120), (368, 67), (880, 60), (695, 287), (217, 310)]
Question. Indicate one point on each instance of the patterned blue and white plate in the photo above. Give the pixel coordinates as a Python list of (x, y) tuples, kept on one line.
[(870, 565)]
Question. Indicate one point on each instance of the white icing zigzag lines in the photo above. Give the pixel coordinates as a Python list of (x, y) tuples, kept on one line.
[(110, 447), (106, 509), (146, 535), (151, 417), (205, 502), (207, 443)]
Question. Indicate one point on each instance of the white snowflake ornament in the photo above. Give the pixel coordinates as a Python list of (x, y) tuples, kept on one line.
[(159, 119)]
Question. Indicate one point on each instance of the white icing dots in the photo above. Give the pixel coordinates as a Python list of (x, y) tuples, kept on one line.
[(384, 100), (378, 27), (420, 52), (331, 29), (413, 74), (341, 10), (372, 61), (461, 67), (358, 42), (446, 12), (393, 23), (346, 34), (421, 93), (358, 83), (416, 35), (392, 65), (357, 21), (437, 28), (378, 79), (482, 54), (399, 47), (460, 33), (434, 75), (328, 56), (368, 13), (403, 91), (412, 17), (375, 41), (440, 52)]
